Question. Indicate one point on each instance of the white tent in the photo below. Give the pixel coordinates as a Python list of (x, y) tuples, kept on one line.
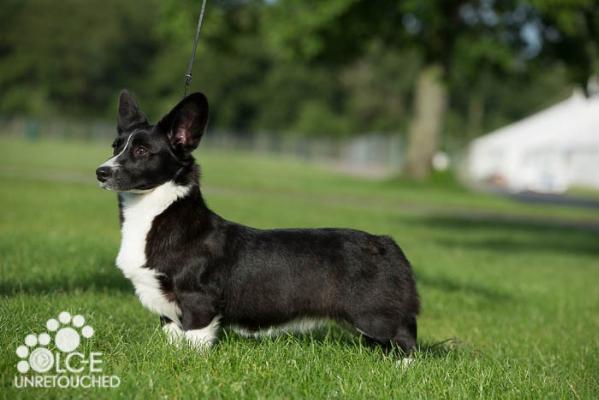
[(547, 152)]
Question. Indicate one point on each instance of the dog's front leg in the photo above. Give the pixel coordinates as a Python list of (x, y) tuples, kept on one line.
[(174, 333), (199, 320)]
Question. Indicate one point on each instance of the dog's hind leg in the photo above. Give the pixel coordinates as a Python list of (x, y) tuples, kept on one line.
[(386, 332), (405, 335), (376, 329)]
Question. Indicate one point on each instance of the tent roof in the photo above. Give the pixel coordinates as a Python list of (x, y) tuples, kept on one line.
[(573, 120)]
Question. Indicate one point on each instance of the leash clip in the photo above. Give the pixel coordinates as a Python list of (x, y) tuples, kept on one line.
[(187, 83), (193, 49)]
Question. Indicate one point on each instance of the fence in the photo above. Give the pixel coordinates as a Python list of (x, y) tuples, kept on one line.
[(371, 154)]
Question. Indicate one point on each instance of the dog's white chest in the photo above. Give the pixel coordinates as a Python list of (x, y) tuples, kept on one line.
[(139, 211)]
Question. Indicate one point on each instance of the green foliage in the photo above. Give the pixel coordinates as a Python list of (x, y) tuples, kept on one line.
[(308, 67), (379, 86), (71, 56), (570, 30), (317, 119)]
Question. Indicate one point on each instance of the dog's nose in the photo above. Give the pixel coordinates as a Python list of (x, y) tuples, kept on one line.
[(103, 173)]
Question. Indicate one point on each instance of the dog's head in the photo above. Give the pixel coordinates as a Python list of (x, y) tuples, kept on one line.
[(146, 156)]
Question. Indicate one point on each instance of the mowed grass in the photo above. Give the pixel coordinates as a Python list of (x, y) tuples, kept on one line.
[(510, 291)]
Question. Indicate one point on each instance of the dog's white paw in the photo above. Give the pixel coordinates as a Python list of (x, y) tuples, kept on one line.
[(174, 334), (201, 339), (404, 363)]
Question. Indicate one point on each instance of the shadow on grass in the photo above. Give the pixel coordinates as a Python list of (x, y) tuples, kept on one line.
[(343, 335), (96, 281), (447, 284), (504, 234), (330, 332), (441, 349)]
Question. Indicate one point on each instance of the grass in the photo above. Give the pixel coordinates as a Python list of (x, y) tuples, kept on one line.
[(509, 290)]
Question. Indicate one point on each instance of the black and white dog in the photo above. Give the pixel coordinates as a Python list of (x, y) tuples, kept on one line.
[(199, 272)]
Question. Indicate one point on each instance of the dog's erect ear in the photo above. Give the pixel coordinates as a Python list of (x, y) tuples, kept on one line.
[(185, 124), (129, 113)]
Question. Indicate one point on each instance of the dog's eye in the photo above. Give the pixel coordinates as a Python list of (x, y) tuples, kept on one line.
[(140, 151)]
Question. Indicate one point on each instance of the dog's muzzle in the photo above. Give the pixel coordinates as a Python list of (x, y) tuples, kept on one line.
[(103, 174)]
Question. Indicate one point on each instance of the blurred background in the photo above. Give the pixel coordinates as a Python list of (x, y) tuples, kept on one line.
[(375, 88)]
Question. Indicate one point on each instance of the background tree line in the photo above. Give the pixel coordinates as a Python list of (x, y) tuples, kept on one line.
[(439, 72)]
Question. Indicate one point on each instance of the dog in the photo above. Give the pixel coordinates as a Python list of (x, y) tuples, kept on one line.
[(200, 272)]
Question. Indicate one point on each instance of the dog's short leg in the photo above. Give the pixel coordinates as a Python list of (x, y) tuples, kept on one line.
[(387, 331), (174, 334), (199, 320), (405, 336), (203, 337), (376, 329)]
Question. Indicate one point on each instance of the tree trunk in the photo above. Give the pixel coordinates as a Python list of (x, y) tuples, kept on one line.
[(425, 130)]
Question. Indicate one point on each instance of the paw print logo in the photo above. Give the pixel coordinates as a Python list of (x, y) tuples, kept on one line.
[(40, 358), (35, 354), (67, 338)]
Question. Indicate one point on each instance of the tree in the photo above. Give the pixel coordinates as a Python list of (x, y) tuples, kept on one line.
[(69, 57), (479, 37), (442, 71)]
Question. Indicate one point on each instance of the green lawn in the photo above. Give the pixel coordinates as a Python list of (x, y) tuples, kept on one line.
[(510, 291)]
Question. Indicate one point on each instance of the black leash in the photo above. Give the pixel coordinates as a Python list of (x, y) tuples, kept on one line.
[(193, 50)]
